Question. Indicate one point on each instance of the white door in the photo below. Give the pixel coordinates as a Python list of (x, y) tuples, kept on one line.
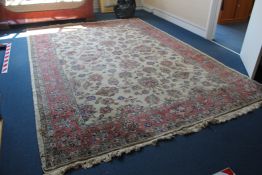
[(251, 49)]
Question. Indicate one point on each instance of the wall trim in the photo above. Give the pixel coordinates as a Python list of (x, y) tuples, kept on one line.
[(139, 7), (177, 20), (213, 18)]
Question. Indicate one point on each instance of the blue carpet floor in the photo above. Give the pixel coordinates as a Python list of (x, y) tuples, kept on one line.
[(236, 144), (231, 35)]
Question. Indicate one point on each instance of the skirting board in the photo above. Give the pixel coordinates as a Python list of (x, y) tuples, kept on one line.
[(177, 20)]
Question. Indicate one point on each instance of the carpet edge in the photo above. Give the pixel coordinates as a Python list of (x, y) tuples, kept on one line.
[(186, 130), (36, 110)]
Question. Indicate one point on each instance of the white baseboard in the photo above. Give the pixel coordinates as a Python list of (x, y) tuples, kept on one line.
[(140, 7), (177, 20)]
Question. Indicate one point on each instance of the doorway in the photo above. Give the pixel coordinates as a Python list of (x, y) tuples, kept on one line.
[(258, 75), (232, 23)]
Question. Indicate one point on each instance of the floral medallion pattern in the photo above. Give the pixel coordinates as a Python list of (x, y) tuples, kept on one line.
[(110, 85)]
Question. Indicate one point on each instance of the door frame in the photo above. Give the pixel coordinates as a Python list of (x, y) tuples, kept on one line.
[(214, 11), (212, 25)]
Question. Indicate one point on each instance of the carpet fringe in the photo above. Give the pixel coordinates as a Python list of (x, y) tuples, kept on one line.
[(183, 131)]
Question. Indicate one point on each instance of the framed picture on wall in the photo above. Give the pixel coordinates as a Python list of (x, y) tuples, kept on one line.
[(107, 6)]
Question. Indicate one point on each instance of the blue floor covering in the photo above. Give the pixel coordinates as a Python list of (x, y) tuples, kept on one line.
[(231, 35), (236, 144)]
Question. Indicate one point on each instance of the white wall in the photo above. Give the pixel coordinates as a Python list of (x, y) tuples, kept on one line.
[(184, 9), (193, 15), (251, 49)]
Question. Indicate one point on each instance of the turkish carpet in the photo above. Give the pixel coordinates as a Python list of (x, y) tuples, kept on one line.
[(106, 88)]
